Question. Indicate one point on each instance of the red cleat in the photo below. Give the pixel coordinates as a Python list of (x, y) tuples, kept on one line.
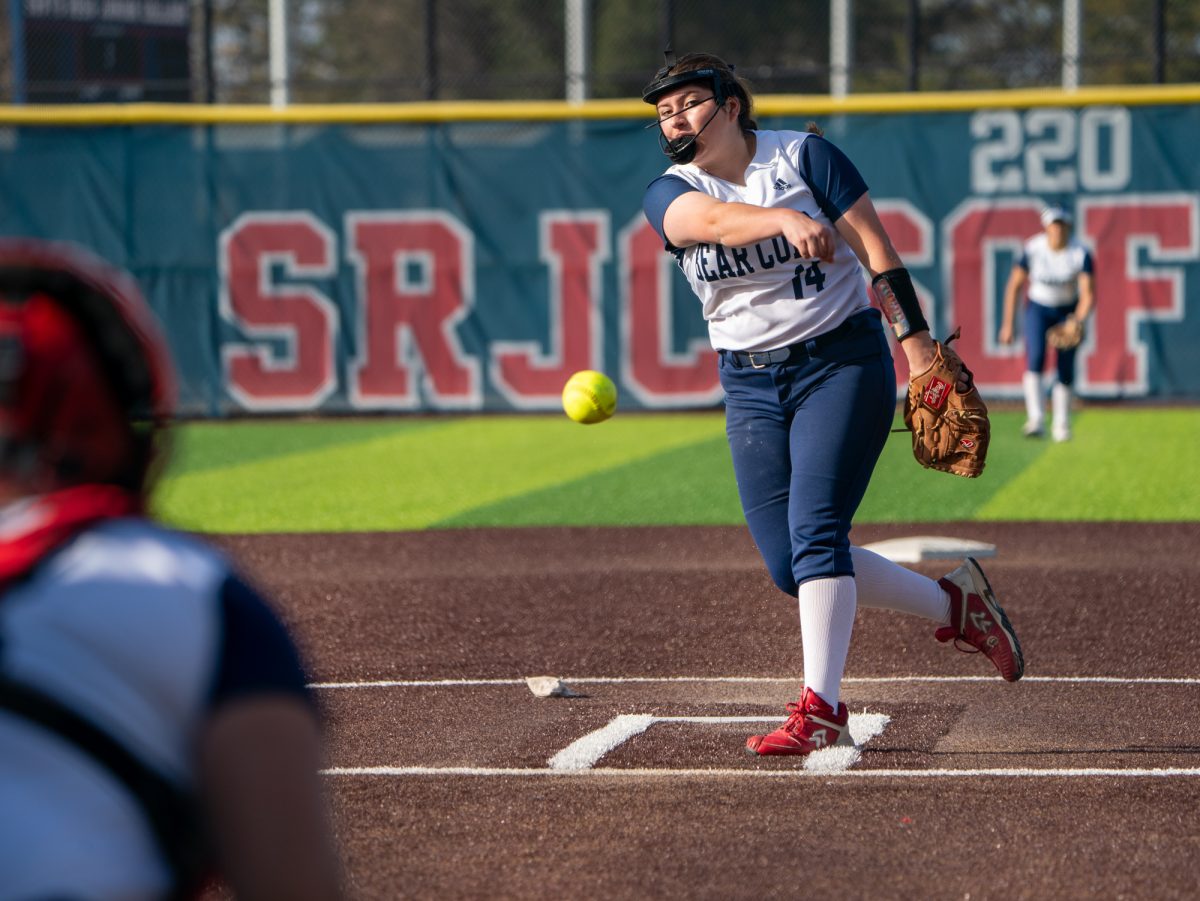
[(976, 618), (812, 725)]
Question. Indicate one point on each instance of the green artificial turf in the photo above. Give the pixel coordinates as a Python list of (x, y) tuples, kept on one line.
[(639, 469)]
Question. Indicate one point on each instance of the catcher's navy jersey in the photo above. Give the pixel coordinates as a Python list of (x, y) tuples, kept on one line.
[(763, 296), (1054, 274), (144, 632)]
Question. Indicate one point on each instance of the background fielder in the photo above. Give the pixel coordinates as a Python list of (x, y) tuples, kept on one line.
[(1056, 271)]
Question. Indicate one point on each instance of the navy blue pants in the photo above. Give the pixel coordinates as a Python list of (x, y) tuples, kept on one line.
[(1038, 318), (805, 436)]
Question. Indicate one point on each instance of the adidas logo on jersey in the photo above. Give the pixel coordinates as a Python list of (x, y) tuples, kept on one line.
[(781, 185)]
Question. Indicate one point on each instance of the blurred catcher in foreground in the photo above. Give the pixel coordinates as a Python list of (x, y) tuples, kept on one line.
[(155, 725)]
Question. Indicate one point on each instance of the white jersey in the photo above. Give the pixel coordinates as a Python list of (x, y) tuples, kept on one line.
[(128, 625), (764, 296), (1054, 274)]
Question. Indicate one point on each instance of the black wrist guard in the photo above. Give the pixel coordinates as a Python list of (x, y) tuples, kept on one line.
[(898, 300)]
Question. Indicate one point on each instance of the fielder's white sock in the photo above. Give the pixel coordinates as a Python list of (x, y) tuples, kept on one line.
[(826, 620), (884, 583), (1060, 406), (1034, 399)]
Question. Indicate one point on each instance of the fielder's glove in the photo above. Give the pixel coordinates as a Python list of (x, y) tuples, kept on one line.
[(1066, 334), (950, 429)]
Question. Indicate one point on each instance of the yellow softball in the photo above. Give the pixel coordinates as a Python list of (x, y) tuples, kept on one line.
[(589, 396)]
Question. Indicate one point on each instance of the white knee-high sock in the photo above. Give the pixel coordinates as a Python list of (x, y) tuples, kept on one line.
[(1060, 405), (1035, 400), (883, 583), (826, 620)]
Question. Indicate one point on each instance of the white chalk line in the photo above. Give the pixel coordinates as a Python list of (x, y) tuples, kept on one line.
[(615, 772), (585, 752), (1001, 772), (765, 680)]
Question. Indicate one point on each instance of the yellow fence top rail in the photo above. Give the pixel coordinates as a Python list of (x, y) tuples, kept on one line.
[(520, 110)]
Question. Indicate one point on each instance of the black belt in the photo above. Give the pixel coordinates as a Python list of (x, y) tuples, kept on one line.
[(794, 353)]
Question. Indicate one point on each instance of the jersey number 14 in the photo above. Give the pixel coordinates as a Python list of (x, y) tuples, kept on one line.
[(808, 275)]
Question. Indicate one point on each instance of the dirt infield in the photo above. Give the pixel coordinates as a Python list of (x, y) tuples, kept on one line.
[(1081, 781)]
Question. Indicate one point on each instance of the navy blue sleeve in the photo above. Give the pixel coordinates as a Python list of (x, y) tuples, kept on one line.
[(834, 181), (256, 656), (660, 194), (1023, 262), (1087, 262)]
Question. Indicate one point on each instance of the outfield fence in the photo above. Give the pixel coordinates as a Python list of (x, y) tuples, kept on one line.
[(469, 257)]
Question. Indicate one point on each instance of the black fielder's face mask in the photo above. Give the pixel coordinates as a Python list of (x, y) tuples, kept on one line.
[(683, 149)]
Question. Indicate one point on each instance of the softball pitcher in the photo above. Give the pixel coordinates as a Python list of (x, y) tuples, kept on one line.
[(772, 230)]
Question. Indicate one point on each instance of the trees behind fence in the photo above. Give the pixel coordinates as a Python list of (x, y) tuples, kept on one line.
[(353, 51)]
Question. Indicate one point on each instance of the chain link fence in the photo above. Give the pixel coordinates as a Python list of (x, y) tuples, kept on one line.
[(360, 51)]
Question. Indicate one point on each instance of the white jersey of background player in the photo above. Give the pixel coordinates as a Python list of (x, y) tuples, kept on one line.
[(1054, 274)]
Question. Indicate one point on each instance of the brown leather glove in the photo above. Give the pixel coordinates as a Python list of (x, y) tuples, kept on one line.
[(1066, 334), (950, 429)]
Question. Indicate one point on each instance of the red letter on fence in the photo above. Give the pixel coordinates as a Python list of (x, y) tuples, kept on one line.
[(297, 373), (573, 246), (415, 275), (1125, 232)]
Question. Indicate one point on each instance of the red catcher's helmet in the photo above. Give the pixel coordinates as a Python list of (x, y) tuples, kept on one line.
[(86, 383)]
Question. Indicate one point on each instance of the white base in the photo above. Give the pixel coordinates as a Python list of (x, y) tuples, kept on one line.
[(550, 687), (930, 547)]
